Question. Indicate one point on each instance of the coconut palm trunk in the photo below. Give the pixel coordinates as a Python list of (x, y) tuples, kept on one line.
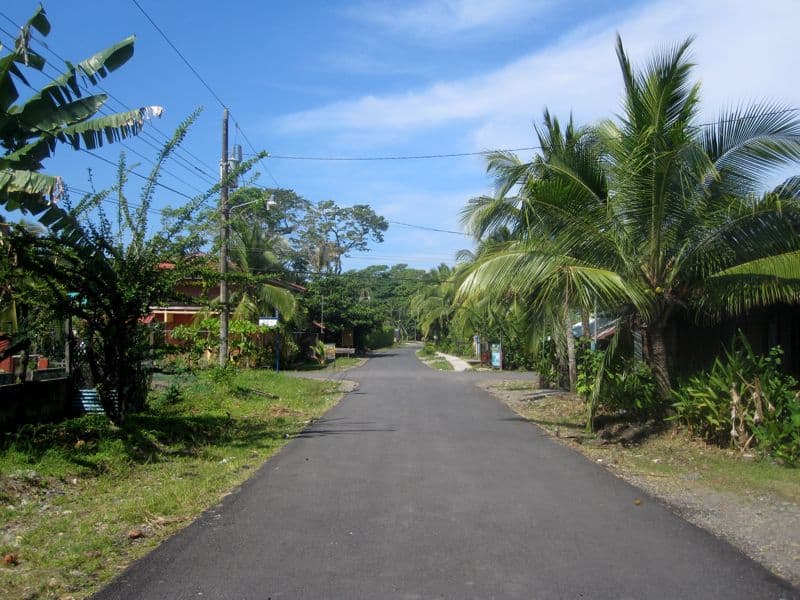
[(572, 362), (659, 360)]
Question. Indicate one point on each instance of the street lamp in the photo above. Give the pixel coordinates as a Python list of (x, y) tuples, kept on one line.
[(223, 268)]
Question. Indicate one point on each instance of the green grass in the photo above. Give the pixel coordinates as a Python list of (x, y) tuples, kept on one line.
[(427, 351), (427, 354), (342, 363), (70, 493), (440, 364)]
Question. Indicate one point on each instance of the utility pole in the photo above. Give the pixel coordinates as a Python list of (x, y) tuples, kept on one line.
[(223, 241)]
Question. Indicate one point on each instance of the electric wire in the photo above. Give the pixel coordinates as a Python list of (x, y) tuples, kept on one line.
[(180, 54), (47, 47), (252, 148), (122, 143), (402, 157)]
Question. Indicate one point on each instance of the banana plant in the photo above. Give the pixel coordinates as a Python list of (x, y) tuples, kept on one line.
[(60, 113)]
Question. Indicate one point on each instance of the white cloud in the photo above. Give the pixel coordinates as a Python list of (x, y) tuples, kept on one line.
[(435, 18), (742, 54)]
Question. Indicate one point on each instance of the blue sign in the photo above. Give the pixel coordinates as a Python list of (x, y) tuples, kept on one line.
[(497, 356)]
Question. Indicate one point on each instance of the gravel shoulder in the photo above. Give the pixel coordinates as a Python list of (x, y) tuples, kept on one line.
[(765, 526)]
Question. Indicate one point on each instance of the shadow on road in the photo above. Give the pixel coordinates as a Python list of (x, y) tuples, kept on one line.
[(312, 433)]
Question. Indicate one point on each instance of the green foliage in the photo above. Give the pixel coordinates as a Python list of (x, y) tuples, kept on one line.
[(546, 364), (631, 390), (329, 232), (250, 345), (516, 355), (744, 400), (223, 375), (343, 302), (427, 351), (651, 212), (379, 338), (589, 363), (58, 114), (170, 396), (319, 351), (453, 344)]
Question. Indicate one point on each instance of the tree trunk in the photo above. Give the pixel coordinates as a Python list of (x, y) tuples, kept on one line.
[(659, 361), (571, 361), (586, 332)]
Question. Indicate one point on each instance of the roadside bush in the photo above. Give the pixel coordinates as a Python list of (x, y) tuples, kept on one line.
[(318, 350), (589, 362), (379, 338), (743, 401), (427, 350), (456, 346), (546, 364), (632, 390), (516, 356)]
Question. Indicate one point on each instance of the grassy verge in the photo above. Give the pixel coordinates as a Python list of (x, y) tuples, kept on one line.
[(342, 363), (671, 453), (81, 499), (429, 357), (440, 364)]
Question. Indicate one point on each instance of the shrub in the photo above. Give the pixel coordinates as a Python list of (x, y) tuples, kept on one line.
[(223, 375), (516, 356), (379, 338), (168, 397), (546, 364), (427, 350), (744, 400), (631, 390), (589, 362)]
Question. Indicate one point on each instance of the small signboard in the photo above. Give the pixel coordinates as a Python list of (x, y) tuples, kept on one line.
[(267, 321), (497, 356), (330, 352)]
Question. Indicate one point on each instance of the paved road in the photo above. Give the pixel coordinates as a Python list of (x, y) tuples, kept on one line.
[(418, 485)]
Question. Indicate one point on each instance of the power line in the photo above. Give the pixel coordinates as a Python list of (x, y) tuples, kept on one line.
[(428, 228), (407, 157), (106, 112), (145, 133), (487, 152), (139, 175), (206, 85), (252, 148), (178, 52)]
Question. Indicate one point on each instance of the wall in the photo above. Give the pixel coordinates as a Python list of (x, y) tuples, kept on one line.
[(34, 402)]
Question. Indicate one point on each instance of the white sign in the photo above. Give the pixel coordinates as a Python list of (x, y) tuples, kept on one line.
[(267, 321)]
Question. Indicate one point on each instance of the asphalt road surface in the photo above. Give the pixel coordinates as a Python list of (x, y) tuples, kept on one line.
[(419, 485)]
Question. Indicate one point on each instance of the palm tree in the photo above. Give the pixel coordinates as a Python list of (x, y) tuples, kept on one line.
[(433, 306), (256, 252), (694, 228), (563, 185), (684, 226)]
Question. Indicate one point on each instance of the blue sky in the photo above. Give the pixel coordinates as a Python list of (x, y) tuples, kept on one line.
[(421, 77)]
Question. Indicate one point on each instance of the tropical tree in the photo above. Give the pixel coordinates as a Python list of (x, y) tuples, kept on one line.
[(434, 305), (329, 232), (565, 182), (685, 225), (257, 253), (109, 275), (694, 229)]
